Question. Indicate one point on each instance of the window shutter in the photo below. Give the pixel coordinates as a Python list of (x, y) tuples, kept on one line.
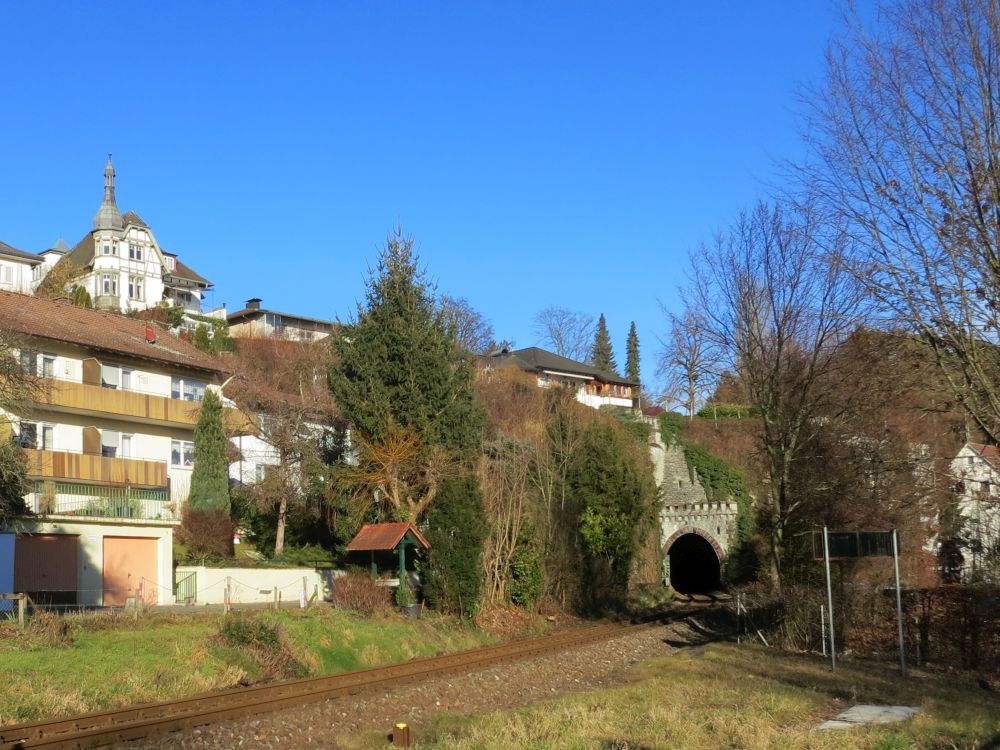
[(109, 375)]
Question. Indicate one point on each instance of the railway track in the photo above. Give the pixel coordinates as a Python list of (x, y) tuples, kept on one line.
[(135, 722)]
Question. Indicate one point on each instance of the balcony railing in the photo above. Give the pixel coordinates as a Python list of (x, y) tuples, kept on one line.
[(85, 467), (84, 397), (132, 405), (90, 501)]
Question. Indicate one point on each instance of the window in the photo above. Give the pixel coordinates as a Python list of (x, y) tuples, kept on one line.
[(135, 287), (47, 435), (126, 451), (110, 440), (29, 361), (48, 365), (109, 283), (258, 471), (28, 438), (168, 262), (187, 389), (106, 248), (126, 383), (274, 321), (181, 453), (135, 252), (7, 274)]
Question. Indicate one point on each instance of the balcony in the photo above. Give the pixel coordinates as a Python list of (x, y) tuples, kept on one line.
[(84, 398), (131, 405), (85, 467), (85, 501)]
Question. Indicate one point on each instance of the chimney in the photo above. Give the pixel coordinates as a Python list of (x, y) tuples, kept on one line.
[(253, 304)]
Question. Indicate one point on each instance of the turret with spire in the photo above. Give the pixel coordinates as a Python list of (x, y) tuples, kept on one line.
[(108, 216)]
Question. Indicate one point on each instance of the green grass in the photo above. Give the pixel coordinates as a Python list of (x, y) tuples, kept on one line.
[(730, 697), (114, 662)]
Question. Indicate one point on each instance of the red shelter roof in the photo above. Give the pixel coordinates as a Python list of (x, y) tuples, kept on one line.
[(384, 536)]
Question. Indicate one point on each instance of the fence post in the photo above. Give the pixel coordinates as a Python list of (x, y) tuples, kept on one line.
[(227, 597), (275, 596), (22, 610), (829, 599), (302, 600), (822, 626)]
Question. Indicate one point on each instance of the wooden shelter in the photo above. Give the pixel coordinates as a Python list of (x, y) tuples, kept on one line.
[(388, 537)]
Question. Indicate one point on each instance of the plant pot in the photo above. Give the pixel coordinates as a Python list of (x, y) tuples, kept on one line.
[(412, 611)]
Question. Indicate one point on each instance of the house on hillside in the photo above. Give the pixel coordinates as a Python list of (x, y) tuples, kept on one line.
[(109, 443), (254, 322), (976, 470), (122, 265), (20, 270), (594, 387)]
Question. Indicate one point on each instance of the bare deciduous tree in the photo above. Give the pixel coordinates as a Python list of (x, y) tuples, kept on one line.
[(777, 307), (688, 362), (906, 151), (473, 332), (567, 333)]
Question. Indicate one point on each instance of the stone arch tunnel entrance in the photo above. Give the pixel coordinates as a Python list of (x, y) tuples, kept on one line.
[(695, 564)]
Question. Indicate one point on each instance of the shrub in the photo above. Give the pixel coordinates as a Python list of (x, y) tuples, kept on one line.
[(649, 598), (359, 592), (263, 642), (527, 577), (206, 533), (458, 527)]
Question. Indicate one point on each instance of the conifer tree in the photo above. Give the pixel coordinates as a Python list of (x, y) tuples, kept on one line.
[(210, 476), (632, 355), (602, 356)]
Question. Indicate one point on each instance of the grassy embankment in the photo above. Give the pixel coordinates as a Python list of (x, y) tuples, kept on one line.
[(87, 663), (730, 697)]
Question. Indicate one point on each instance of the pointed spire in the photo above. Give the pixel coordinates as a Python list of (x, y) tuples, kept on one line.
[(108, 216)]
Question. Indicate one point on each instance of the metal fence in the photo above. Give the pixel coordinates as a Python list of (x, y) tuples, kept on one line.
[(96, 501)]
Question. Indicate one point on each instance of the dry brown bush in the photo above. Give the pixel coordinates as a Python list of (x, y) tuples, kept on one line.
[(206, 533), (359, 592)]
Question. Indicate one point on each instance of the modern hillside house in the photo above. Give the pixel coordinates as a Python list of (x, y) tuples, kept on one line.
[(124, 268), (109, 442), (254, 322), (594, 387)]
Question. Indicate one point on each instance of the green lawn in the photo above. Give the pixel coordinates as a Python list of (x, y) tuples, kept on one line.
[(113, 661), (726, 696)]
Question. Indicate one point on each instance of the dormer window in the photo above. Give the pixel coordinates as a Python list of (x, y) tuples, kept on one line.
[(168, 262)]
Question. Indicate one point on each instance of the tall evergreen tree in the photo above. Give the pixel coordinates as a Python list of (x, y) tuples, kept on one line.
[(632, 355), (210, 476), (398, 366), (602, 356)]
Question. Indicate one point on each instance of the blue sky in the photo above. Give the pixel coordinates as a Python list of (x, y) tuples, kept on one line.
[(555, 153)]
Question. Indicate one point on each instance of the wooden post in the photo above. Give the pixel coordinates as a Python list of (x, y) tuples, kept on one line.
[(276, 596), (22, 610)]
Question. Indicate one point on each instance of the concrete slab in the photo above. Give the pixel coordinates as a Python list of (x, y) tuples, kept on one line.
[(863, 714)]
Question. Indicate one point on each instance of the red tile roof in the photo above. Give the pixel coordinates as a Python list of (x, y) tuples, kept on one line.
[(59, 320), (384, 536), (989, 453)]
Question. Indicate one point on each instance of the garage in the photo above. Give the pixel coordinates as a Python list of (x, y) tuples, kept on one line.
[(45, 567), (129, 564)]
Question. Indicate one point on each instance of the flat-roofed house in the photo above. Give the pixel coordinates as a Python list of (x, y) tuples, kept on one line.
[(254, 322)]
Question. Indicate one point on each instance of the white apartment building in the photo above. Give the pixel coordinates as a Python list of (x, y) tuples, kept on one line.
[(109, 443), (20, 270), (976, 470)]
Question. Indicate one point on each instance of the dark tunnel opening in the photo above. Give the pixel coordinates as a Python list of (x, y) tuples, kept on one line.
[(694, 566)]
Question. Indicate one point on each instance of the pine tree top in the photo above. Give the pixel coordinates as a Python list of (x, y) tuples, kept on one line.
[(632, 354), (602, 355)]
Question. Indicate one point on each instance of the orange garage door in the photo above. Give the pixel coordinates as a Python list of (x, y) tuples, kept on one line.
[(129, 563), (45, 567)]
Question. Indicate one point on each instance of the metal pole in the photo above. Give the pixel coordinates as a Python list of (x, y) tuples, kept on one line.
[(822, 625), (739, 620), (899, 602), (829, 597)]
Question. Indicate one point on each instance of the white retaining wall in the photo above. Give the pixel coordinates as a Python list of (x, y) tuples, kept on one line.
[(250, 585)]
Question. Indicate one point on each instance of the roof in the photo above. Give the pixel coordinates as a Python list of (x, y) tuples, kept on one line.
[(384, 536), (535, 359), (13, 252), (61, 321), (131, 217), (182, 271), (250, 312), (988, 453)]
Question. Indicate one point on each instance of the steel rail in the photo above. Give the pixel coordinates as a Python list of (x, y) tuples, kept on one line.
[(135, 722)]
